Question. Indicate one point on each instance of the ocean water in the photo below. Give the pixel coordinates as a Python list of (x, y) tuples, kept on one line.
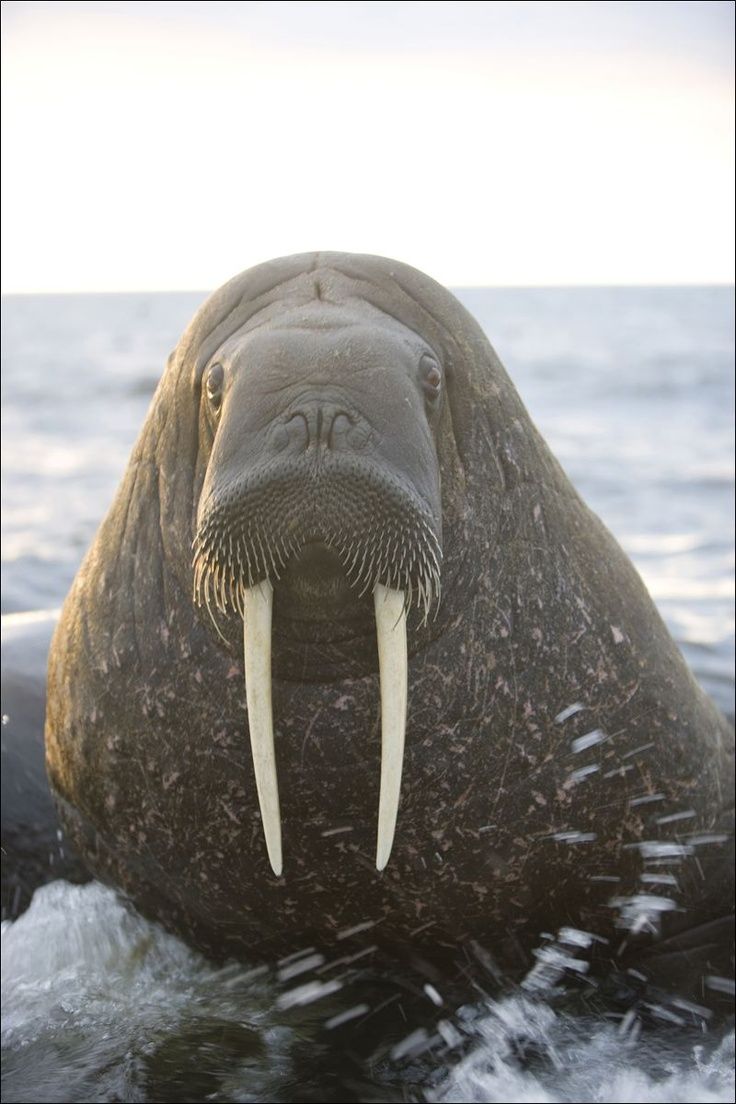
[(633, 390)]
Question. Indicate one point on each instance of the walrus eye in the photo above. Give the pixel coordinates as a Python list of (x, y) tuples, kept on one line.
[(215, 379), (431, 377)]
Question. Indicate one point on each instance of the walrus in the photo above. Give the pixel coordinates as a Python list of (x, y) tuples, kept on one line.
[(349, 652)]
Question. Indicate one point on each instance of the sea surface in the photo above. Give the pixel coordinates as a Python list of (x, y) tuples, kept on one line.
[(633, 390)]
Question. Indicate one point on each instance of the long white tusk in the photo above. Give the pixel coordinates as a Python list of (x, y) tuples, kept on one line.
[(392, 666), (257, 617)]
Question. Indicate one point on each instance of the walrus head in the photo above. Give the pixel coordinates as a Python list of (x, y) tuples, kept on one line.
[(323, 484)]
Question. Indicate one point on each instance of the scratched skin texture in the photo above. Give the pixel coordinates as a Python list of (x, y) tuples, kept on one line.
[(502, 832)]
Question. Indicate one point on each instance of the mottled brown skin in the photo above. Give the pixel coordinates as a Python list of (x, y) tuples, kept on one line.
[(146, 730)]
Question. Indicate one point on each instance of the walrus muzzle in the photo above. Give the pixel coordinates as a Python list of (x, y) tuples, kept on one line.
[(372, 522)]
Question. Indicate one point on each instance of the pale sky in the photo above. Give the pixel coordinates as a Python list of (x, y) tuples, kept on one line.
[(163, 146)]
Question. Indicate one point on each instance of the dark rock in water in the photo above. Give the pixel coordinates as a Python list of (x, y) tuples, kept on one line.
[(34, 847)]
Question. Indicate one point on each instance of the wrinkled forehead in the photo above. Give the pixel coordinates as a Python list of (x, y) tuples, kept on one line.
[(325, 337)]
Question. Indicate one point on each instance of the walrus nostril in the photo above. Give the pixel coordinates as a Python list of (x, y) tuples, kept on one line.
[(320, 426), (297, 429), (337, 435)]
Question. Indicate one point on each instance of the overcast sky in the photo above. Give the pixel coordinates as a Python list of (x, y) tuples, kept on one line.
[(170, 145)]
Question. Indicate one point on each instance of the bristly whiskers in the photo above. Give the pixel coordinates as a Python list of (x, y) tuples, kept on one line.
[(380, 533)]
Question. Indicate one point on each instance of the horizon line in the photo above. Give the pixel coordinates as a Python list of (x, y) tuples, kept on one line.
[(454, 286)]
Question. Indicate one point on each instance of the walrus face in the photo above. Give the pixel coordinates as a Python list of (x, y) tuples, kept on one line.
[(323, 482)]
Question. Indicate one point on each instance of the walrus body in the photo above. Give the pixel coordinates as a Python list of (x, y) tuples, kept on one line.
[(562, 767)]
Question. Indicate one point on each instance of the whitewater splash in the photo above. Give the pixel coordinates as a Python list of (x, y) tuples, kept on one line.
[(98, 1004)]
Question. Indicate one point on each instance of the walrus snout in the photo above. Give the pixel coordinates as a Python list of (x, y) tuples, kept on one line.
[(253, 527)]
